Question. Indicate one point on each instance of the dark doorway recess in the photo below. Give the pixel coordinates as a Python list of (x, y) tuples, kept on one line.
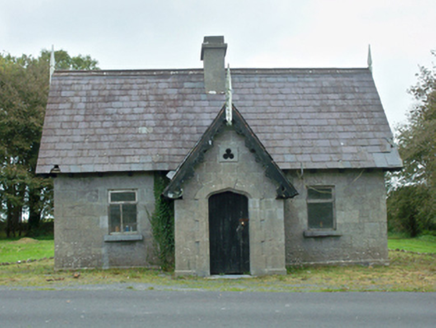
[(228, 234)]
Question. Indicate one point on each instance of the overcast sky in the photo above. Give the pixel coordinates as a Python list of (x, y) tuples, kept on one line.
[(143, 34)]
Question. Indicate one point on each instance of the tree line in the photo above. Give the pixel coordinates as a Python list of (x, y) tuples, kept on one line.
[(412, 191), (24, 87)]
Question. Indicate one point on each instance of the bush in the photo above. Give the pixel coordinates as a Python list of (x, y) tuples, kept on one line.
[(406, 210), (45, 229)]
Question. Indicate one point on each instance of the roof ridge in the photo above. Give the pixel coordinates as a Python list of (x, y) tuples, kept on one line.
[(277, 70)]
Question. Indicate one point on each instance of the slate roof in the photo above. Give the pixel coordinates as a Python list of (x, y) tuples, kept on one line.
[(108, 121)]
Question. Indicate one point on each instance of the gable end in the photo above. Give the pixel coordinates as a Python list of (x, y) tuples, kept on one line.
[(186, 169)]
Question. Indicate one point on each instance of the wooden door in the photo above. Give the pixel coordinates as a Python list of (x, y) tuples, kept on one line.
[(228, 234)]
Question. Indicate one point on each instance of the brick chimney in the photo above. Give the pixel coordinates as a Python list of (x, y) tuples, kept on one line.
[(213, 51)]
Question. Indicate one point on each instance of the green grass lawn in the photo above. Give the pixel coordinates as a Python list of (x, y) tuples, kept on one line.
[(423, 244), (24, 249)]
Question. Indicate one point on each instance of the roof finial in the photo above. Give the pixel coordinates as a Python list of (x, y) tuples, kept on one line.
[(369, 58), (229, 97), (52, 63)]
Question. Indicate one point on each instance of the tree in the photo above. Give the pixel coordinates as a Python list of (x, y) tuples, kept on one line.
[(24, 86), (417, 146), (403, 210), (65, 61)]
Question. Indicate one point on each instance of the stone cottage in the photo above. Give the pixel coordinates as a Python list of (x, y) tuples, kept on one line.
[(286, 169)]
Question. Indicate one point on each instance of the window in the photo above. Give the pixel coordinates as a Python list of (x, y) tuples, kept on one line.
[(122, 211), (320, 208)]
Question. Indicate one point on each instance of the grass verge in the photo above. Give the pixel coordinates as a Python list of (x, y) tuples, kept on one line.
[(407, 272)]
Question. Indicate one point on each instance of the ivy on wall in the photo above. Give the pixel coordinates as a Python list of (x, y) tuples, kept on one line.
[(162, 224)]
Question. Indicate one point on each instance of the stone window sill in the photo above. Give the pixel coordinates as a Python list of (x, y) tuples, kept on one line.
[(321, 234), (123, 237)]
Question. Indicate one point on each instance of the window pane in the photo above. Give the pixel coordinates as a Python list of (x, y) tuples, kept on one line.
[(128, 196), (320, 215), (129, 217), (114, 218), (320, 193)]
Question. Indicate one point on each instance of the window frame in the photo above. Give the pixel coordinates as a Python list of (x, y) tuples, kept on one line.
[(321, 201), (121, 203)]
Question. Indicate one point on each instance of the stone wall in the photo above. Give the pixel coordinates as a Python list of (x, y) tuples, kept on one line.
[(242, 174), (82, 237), (277, 227), (360, 211)]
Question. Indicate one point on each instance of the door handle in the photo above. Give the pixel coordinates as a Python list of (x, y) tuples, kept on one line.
[(243, 222)]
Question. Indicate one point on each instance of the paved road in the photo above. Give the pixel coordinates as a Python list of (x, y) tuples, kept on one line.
[(129, 308)]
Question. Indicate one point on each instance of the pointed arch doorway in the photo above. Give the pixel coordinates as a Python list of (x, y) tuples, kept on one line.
[(229, 233)]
